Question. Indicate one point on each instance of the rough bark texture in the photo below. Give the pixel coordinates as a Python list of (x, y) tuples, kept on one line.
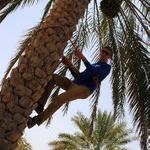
[(21, 91)]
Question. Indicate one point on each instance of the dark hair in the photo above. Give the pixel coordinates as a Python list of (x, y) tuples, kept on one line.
[(108, 48)]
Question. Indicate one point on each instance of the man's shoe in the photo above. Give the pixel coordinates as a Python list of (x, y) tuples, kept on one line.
[(39, 109), (32, 122)]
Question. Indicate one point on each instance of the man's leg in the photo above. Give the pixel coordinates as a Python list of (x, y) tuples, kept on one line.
[(73, 93), (41, 103), (61, 81)]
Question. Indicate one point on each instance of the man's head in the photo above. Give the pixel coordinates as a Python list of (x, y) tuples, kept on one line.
[(106, 53)]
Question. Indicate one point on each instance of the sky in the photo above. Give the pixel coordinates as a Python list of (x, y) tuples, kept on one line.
[(12, 31)]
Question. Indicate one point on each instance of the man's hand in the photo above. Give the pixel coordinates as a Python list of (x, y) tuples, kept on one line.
[(96, 80), (79, 54), (69, 64), (66, 61)]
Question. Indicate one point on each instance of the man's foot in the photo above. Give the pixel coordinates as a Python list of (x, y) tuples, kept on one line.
[(39, 109), (33, 121)]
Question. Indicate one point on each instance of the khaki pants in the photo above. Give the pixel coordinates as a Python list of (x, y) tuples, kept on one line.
[(73, 92)]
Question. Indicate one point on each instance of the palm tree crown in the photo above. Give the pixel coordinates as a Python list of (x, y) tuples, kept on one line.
[(107, 134)]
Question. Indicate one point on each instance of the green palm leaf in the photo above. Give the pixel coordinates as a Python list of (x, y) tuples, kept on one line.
[(106, 134)]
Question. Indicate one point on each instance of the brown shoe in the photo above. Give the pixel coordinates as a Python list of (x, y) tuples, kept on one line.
[(41, 103), (39, 109), (33, 121)]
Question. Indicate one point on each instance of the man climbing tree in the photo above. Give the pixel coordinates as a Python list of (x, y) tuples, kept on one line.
[(81, 87)]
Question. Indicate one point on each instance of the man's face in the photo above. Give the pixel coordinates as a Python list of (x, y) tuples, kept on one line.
[(105, 54)]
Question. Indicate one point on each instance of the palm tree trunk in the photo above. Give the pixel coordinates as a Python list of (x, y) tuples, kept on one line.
[(25, 85), (3, 3)]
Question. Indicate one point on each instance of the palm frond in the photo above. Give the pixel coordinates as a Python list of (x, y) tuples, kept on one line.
[(23, 144), (127, 21), (59, 145), (101, 129), (138, 84), (136, 12), (82, 123), (107, 133), (118, 82), (94, 107), (47, 8), (13, 5)]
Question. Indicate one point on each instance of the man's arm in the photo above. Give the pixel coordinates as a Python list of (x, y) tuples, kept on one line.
[(74, 71), (92, 69), (86, 62)]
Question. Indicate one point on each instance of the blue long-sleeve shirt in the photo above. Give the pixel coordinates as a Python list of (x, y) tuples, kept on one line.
[(85, 78)]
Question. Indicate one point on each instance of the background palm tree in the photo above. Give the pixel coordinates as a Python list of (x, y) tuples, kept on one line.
[(107, 134), (126, 31)]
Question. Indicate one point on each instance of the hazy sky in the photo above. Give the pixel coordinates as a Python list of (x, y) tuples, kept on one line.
[(12, 31)]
